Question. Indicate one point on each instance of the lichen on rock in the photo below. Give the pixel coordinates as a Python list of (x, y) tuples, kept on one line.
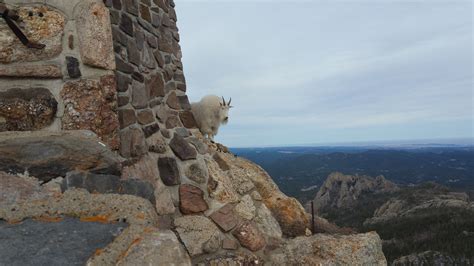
[(41, 24)]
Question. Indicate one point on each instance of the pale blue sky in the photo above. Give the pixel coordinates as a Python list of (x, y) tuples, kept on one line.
[(332, 71)]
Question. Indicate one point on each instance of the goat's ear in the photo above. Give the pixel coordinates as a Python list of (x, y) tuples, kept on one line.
[(230, 106)]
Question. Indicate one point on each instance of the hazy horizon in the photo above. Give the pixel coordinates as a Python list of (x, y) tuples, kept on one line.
[(332, 71), (443, 142)]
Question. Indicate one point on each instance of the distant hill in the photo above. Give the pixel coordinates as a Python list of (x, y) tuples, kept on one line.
[(348, 200), (300, 171), (428, 222)]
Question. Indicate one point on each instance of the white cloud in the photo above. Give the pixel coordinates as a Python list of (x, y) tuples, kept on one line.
[(320, 67)]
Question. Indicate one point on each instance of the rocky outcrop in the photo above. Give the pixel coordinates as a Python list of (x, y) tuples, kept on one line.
[(342, 191), (156, 248), (320, 249), (430, 258), (197, 232), (47, 155), (427, 197), (287, 211)]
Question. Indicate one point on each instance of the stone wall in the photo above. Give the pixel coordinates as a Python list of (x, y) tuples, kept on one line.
[(150, 81), (114, 67), (70, 83)]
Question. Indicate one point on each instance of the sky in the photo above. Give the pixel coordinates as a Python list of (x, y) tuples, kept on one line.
[(305, 72)]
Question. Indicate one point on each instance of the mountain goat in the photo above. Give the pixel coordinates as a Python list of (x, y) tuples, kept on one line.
[(210, 113)]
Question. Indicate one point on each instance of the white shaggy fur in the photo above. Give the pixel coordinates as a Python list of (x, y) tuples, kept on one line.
[(210, 113)]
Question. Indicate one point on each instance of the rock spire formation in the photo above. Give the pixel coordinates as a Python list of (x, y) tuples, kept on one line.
[(96, 126)]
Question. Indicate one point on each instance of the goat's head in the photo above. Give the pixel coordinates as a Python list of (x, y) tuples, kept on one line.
[(224, 113)]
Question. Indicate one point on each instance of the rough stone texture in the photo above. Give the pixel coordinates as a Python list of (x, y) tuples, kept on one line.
[(144, 169), (26, 109), (90, 207), (126, 117), (149, 130), (191, 199), (249, 236), (342, 191), (145, 117), (220, 186), (199, 145), (172, 101), (183, 132), (95, 34), (195, 231), (430, 258), (132, 142), (230, 244), (172, 122), (225, 217), (184, 102), (213, 244), (287, 211), (222, 164), (245, 208), (187, 118), (256, 196), (21, 188), (169, 171), (96, 183), (320, 249), (47, 29), (91, 104), (182, 149), (156, 248), (157, 144), (266, 223), (73, 68), (241, 184), (43, 71), (164, 202), (197, 172), (65, 242), (47, 155), (156, 86), (139, 95)]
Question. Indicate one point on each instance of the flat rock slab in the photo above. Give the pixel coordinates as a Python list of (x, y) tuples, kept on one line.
[(68, 242), (47, 155)]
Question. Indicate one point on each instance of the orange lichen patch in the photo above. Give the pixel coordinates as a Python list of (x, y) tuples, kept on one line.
[(48, 219), (98, 252), (14, 221), (125, 253), (98, 218), (148, 229), (140, 215)]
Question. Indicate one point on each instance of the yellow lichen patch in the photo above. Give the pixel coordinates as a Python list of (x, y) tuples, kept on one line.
[(48, 219)]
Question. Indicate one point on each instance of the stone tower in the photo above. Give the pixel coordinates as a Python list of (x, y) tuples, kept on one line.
[(96, 124)]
